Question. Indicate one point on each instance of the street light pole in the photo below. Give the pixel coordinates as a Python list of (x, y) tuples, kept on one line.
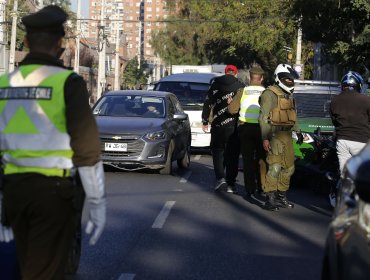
[(2, 37), (78, 31), (117, 64), (13, 36), (40, 4), (101, 49)]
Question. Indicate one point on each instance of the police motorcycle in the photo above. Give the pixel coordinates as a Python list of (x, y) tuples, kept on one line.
[(317, 164)]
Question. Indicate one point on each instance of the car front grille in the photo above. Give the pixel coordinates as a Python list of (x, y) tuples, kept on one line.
[(135, 145)]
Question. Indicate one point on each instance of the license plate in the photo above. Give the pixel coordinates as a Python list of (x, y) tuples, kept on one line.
[(121, 147)]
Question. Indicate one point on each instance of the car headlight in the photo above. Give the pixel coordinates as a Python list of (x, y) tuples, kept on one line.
[(158, 135)]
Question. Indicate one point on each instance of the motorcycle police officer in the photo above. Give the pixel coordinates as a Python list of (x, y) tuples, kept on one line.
[(277, 120), (46, 129)]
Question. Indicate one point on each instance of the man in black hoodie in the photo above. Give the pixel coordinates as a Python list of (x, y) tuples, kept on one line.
[(224, 138)]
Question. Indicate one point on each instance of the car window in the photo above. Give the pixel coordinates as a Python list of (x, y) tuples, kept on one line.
[(191, 95), (171, 108), (130, 106), (176, 104), (311, 104)]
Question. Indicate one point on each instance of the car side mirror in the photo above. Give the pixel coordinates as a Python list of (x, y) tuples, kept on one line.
[(362, 181), (180, 116)]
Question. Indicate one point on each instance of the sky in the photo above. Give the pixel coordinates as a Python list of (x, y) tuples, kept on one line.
[(84, 7)]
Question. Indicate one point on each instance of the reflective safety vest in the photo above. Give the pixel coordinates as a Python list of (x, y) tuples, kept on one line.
[(249, 106), (33, 129)]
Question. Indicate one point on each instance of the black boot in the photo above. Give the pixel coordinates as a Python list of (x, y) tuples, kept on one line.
[(270, 203), (282, 200)]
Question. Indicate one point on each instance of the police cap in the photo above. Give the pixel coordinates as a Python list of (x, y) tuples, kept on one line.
[(257, 70), (49, 19)]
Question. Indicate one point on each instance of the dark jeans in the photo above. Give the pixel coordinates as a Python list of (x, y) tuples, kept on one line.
[(225, 152), (253, 155), (42, 214)]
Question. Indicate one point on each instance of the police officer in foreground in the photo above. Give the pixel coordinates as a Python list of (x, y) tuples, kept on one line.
[(46, 129), (246, 104), (277, 120)]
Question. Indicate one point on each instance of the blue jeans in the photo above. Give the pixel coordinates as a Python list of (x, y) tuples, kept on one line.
[(225, 152)]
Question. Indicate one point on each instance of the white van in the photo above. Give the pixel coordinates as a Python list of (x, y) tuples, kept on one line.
[(191, 90)]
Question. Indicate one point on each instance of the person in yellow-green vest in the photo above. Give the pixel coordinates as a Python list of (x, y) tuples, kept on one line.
[(246, 103), (47, 131)]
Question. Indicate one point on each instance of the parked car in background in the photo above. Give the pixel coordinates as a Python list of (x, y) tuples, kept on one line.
[(191, 90), (347, 250), (143, 129)]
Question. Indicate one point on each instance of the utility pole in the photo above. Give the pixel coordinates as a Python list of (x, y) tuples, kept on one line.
[(2, 37), (40, 4), (299, 67), (101, 50), (13, 36), (141, 16), (78, 35), (298, 61), (117, 66)]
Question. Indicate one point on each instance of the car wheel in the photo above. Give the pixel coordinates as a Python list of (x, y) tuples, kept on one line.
[(184, 162), (167, 169)]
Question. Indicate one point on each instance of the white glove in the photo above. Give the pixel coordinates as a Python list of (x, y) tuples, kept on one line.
[(96, 220), (6, 233), (92, 178)]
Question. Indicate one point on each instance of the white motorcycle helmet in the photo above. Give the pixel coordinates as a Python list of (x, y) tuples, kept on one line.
[(283, 72)]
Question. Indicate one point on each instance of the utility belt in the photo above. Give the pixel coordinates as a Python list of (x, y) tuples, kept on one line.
[(281, 128), (11, 169), (246, 123)]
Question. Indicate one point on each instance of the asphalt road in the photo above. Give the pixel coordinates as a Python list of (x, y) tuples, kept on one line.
[(176, 227)]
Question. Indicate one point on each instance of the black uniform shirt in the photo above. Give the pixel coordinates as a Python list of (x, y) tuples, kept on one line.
[(350, 113), (81, 124), (221, 89)]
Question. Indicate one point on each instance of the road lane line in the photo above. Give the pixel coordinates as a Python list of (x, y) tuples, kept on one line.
[(197, 157), (162, 216), (126, 276), (186, 176)]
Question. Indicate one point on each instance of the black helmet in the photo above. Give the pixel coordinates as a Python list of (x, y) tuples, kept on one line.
[(352, 80)]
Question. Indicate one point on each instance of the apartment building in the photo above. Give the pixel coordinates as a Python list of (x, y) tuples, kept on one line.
[(135, 19)]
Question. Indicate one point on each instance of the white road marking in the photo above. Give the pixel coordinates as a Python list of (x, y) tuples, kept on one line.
[(126, 276), (162, 216), (186, 176), (197, 157)]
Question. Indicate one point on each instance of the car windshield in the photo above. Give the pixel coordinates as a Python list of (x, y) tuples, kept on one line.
[(191, 95), (131, 106), (313, 105)]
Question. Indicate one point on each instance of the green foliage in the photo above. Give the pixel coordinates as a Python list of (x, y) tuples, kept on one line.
[(24, 8), (342, 26), (133, 75), (219, 31)]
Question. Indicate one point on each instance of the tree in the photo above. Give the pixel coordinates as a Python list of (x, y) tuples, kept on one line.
[(342, 26), (25, 8), (220, 31), (134, 75)]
